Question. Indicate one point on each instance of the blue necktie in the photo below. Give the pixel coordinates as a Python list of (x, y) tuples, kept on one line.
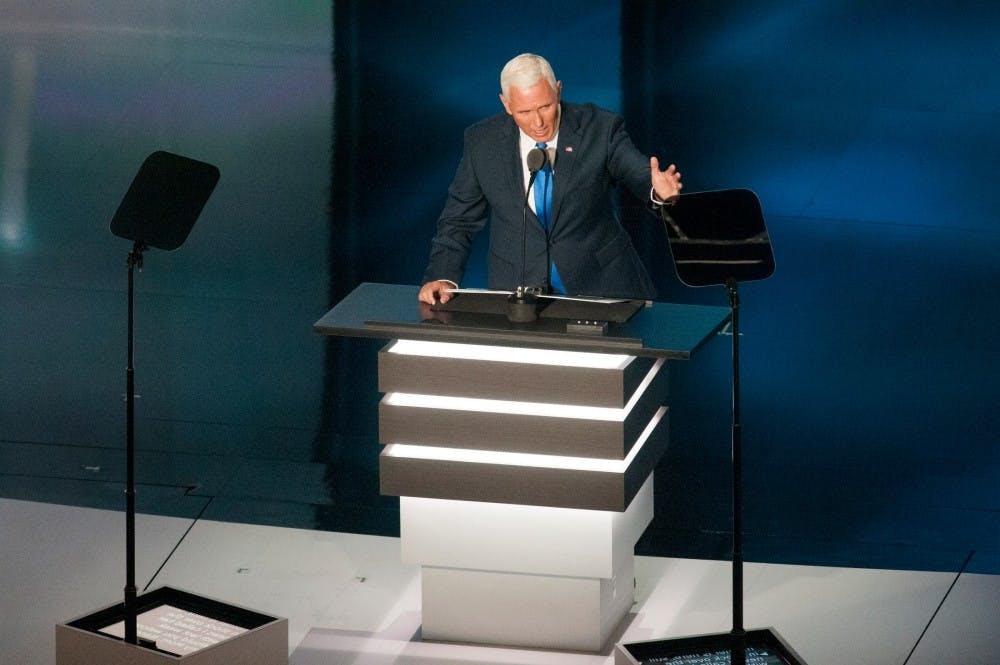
[(543, 210)]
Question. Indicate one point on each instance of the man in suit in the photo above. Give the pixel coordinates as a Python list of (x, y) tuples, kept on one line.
[(578, 247)]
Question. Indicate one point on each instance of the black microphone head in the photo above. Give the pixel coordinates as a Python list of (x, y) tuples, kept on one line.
[(536, 160)]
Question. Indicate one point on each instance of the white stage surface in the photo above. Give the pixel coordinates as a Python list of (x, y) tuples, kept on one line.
[(349, 599)]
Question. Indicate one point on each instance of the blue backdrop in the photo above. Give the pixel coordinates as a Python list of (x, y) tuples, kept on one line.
[(869, 132), (868, 129)]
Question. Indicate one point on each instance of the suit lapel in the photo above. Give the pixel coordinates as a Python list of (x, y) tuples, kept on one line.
[(509, 145), (569, 139)]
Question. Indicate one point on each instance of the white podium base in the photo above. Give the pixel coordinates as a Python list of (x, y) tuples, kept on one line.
[(555, 578), (572, 613)]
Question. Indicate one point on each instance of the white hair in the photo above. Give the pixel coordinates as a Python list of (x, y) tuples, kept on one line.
[(524, 71)]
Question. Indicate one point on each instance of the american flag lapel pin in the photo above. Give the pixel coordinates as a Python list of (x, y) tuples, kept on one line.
[(569, 148)]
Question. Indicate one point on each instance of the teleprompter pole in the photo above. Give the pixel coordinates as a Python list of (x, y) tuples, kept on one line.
[(131, 630), (738, 632)]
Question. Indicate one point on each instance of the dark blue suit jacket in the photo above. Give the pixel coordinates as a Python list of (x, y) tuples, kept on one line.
[(594, 254)]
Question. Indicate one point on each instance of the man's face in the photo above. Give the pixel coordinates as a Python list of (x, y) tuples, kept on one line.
[(535, 109)]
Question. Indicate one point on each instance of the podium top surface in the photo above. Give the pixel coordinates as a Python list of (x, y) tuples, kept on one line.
[(392, 311)]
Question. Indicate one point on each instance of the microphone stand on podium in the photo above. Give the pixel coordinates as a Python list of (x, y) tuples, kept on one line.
[(522, 305), (159, 210), (720, 238)]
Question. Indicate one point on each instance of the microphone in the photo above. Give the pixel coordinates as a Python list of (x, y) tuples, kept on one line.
[(536, 162), (521, 305)]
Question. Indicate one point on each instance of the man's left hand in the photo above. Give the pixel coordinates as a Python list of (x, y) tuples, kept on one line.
[(666, 184)]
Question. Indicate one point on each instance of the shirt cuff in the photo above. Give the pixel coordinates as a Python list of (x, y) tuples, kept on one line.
[(656, 202)]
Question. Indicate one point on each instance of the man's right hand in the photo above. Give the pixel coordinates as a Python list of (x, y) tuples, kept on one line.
[(436, 292)]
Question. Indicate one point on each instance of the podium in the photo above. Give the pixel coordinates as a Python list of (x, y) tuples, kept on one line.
[(522, 454)]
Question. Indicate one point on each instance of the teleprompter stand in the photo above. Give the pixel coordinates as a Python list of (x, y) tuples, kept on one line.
[(159, 210), (720, 238)]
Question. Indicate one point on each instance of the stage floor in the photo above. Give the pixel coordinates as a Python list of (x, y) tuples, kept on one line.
[(348, 598)]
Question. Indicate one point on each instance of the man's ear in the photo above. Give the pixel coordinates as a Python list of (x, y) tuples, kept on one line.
[(503, 100)]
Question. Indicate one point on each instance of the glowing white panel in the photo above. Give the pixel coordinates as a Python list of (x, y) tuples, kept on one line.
[(525, 459), (504, 406), (510, 354)]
